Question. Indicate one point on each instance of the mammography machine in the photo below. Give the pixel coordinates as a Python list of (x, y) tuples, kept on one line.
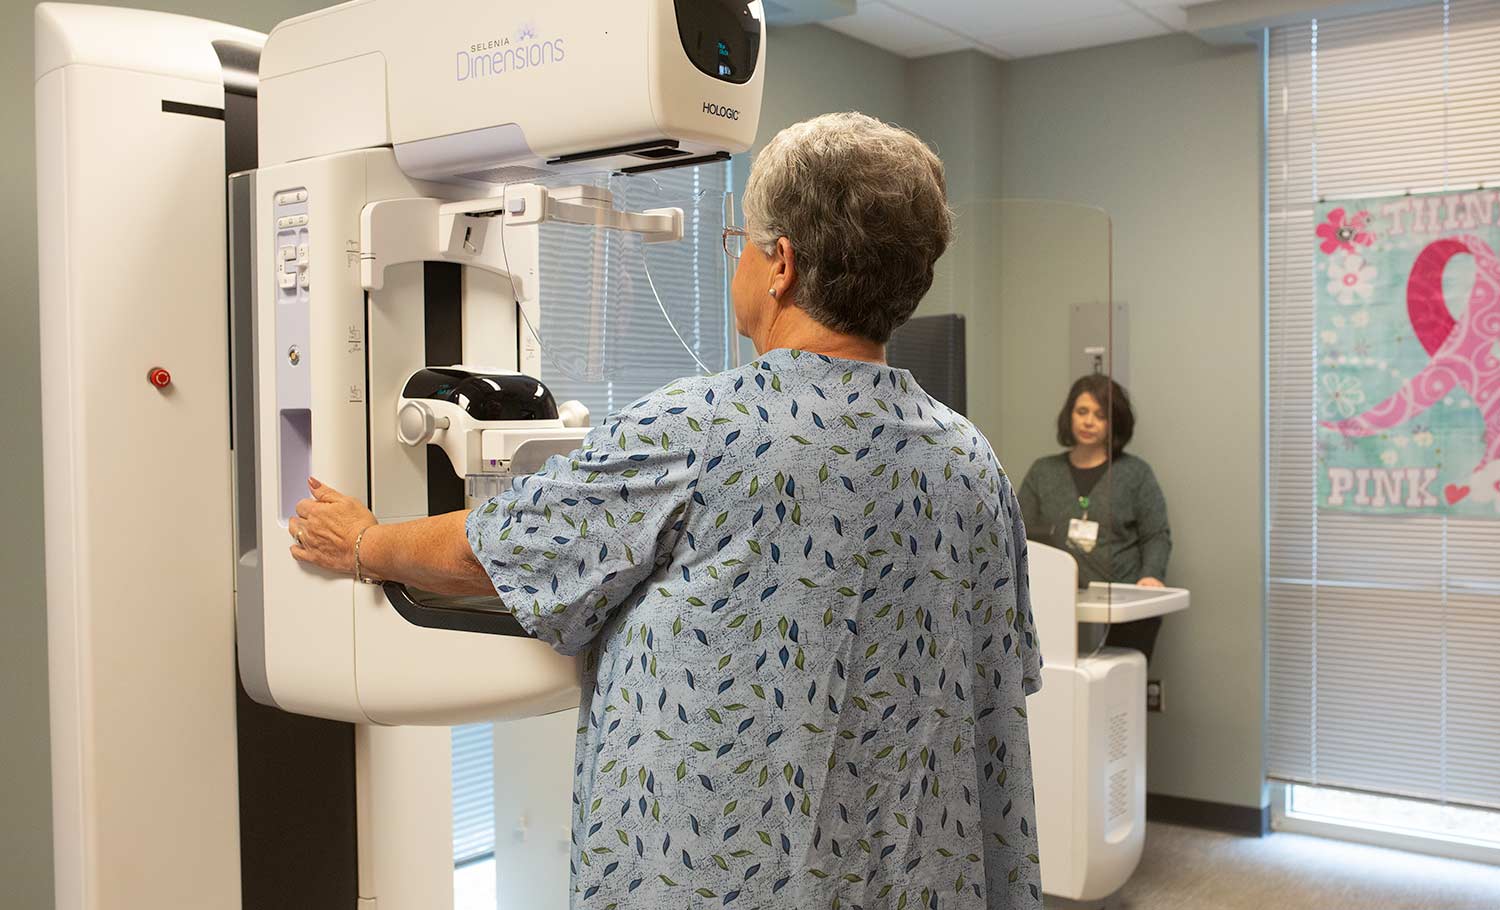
[(1088, 729), (395, 166)]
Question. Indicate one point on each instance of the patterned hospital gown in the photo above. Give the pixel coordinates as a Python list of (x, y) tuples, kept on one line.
[(801, 589)]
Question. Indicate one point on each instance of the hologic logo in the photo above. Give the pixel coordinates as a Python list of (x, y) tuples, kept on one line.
[(498, 57), (728, 113)]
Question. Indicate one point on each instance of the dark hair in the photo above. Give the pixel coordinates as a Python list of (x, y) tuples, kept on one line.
[(1111, 396)]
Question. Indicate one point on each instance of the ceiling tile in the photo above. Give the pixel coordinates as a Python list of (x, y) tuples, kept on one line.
[(945, 47), (1172, 15), (1074, 35), (897, 31), (989, 17), (1008, 28)]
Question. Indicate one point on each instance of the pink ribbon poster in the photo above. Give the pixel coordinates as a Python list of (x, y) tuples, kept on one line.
[(1408, 380)]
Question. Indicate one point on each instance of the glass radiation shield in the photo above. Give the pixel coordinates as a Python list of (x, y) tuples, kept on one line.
[(1033, 280)]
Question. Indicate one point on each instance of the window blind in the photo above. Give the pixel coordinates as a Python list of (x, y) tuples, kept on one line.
[(606, 343), (605, 340), (473, 792), (1383, 634)]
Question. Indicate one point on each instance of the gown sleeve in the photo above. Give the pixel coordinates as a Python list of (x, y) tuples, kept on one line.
[(570, 544)]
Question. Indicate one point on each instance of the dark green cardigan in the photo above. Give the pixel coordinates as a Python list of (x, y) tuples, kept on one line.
[(1134, 538)]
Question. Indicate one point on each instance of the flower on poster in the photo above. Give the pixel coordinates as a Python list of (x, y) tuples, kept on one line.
[(1340, 231), (1344, 394), (1352, 278)]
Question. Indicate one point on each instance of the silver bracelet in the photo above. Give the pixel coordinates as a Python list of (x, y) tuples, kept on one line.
[(358, 570)]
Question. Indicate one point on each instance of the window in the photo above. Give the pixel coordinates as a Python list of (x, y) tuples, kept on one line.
[(610, 353), (473, 793), (1383, 632)]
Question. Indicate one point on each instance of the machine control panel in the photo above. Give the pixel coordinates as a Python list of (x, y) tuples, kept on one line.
[(293, 239), (293, 228)]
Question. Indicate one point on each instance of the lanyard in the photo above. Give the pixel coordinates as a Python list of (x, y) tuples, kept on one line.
[(1083, 503)]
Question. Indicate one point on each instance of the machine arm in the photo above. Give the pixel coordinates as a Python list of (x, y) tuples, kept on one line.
[(396, 231)]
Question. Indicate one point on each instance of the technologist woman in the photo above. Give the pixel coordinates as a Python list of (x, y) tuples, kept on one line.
[(1107, 512), (800, 585)]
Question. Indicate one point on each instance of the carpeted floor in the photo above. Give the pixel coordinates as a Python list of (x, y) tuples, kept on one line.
[(1190, 869)]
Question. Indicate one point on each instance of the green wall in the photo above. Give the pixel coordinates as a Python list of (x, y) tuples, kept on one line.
[(1164, 134), (811, 70), (953, 102), (25, 789)]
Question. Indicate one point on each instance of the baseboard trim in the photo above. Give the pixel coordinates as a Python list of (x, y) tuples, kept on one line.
[(1199, 813)]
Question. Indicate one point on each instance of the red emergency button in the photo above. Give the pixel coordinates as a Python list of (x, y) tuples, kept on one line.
[(159, 377)]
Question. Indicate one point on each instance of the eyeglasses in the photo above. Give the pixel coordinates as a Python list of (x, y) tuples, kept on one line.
[(734, 242)]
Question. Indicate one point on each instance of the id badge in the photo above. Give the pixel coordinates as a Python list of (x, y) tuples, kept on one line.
[(1083, 534)]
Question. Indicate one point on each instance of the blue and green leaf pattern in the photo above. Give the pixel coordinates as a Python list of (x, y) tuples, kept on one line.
[(801, 590)]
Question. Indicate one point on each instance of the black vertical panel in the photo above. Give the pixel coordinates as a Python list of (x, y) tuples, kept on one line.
[(932, 348), (239, 155), (240, 126), (240, 64), (298, 840), (443, 328)]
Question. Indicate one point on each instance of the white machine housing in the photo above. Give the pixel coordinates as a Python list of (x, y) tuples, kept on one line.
[(371, 146), (1088, 730), (330, 365), (499, 92), (140, 632)]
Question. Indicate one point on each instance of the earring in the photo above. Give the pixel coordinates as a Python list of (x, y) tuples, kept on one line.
[(773, 292)]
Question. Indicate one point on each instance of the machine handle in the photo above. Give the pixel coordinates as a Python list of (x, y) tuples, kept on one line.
[(455, 619)]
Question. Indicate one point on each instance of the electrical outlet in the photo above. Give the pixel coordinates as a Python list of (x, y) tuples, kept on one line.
[(1156, 696)]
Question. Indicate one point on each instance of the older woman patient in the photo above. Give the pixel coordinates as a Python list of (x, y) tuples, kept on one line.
[(801, 585)]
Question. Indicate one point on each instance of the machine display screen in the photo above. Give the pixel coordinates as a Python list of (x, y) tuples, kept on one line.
[(721, 37)]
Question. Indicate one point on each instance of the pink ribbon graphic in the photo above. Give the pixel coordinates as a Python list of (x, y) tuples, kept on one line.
[(1462, 350)]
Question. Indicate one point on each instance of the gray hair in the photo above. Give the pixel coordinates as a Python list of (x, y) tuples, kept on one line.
[(864, 206)]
